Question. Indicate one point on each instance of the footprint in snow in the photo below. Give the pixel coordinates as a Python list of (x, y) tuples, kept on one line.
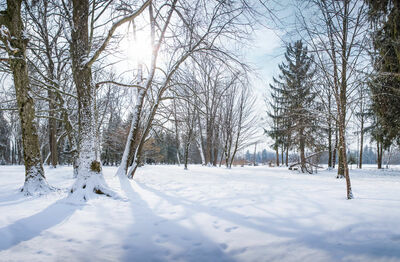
[(159, 222), (229, 229), (134, 234), (223, 246), (238, 251), (395, 237)]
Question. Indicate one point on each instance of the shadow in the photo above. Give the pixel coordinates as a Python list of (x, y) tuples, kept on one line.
[(378, 199), (364, 239), (30, 227), (155, 238), (14, 198)]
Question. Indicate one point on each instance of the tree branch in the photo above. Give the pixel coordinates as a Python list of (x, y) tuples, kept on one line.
[(112, 30)]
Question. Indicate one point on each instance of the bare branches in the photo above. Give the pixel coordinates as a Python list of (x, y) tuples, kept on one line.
[(110, 33)]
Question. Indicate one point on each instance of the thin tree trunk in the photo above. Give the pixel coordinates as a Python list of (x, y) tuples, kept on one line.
[(52, 131), (361, 143), (302, 154), (176, 134), (343, 102), (335, 149), (330, 164), (287, 157), (379, 154), (186, 154)]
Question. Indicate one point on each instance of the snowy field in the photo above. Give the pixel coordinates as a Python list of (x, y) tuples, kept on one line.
[(205, 214)]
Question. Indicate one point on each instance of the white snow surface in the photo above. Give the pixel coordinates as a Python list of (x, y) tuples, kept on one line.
[(204, 214)]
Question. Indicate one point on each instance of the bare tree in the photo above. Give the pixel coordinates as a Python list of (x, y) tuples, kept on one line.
[(15, 42), (83, 54), (336, 32), (197, 27)]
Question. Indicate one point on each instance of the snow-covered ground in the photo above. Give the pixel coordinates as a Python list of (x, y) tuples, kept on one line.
[(205, 214)]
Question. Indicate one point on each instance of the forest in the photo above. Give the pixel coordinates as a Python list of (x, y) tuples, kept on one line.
[(93, 89)]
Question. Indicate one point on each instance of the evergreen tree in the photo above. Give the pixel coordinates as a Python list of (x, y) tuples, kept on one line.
[(385, 86), (295, 107)]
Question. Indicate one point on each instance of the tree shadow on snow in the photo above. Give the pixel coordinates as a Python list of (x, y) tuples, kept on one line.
[(32, 226), (363, 239), (154, 238)]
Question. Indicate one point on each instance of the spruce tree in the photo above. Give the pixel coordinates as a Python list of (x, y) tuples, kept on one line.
[(295, 109), (385, 85)]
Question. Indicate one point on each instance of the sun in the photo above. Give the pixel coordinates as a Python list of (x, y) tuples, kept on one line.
[(138, 48)]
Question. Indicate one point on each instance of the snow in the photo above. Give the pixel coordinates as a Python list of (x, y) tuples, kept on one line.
[(204, 214)]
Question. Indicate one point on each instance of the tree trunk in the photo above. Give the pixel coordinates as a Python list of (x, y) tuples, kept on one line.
[(343, 102), (302, 154), (361, 143), (255, 155), (341, 162), (90, 179), (287, 157), (52, 131), (335, 149), (187, 144), (277, 155), (15, 45), (215, 146), (176, 134), (379, 152), (330, 164), (201, 151), (208, 144)]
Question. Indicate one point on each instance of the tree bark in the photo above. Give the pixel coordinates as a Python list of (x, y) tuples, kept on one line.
[(90, 179), (15, 43), (329, 132), (379, 152), (361, 143), (302, 153), (277, 155)]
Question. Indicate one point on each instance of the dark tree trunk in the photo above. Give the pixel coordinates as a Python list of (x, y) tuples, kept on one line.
[(15, 44), (186, 155), (287, 156), (379, 153), (52, 131), (90, 178), (361, 143), (208, 148), (302, 153), (335, 149), (330, 164)]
